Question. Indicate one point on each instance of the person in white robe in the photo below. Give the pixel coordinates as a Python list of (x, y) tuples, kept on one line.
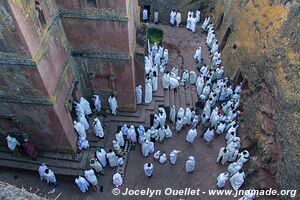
[(113, 104), (197, 55), (185, 77), (233, 153), (222, 156), (234, 167), (180, 113), (120, 161), (179, 124), (154, 49), (206, 91), (165, 60), (178, 18), (163, 158), (117, 149), (237, 180), (50, 177), (98, 130), (124, 129), (148, 169), (161, 51), (157, 59), (82, 184), (166, 80), (193, 24), (168, 131), (221, 128), (95, 165), (79, 109), (195, 122), (209, 135), (198, 16), (205, 23), (204, 120), (190, 164), (173, 156), (148, 90), (79, 129), (221, 180), (83, 143), (117, 179), (84, 122), (92, 179), (162, 116), (172, 116), (86, 106), (193, 77), (41, 171), (120, 139), (156, 155), (156, 121), (244, 156), (174, 73), (156, 17), (97, 102), (112, 159), (191, 135), (12, 143), (139, 94), (188, 115), (200, 85), (188, 21), (141, 131), (154, 81), (172, 18), (161, 134), (147, 148), (145, 15), (101, 156), (174, 83), (131, 134)]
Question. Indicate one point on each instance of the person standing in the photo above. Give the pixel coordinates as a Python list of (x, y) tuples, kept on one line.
[(178, 18), (172, 18), (82, 184), (145, 15), (148, 169), (156, 17), (50, 177)]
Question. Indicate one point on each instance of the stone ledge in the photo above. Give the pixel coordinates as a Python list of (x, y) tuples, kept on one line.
[(25, 100), (98, 54)]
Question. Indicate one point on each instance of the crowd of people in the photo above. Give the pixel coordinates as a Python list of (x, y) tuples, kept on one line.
[(216, 113)]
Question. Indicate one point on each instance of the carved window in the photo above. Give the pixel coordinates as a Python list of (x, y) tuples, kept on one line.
[(40, 14), (225, 38), (91, 3)]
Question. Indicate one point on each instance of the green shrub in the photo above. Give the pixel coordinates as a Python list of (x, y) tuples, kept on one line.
[(155, 36)]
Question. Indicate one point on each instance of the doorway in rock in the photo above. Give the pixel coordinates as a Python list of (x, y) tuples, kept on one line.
[(148, 8), (225, 38)]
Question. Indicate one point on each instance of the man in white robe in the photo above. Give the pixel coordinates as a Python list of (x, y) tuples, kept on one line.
[(92, 179), (195, 122), (79, 129), (156, 121), (97, 102), (145, 15), (221, 128), (173, 156), (41, 171), (193, 24), (154, 49), (86, 106), (179, 124), (156, 17), (131, 134), (180, 113), (244, 156), (139, 94), (178, 18), (112, 159), (84, 122), (191, 135), (221, 180), (162, 116), (113, 104), (209, 135), (188, 21), (173, 83), (12, 143), (172, 116), (82, 184), (165, 60), (197, 55), (147, 148), (95, 165), (234, 167), (163, 158), (154, 81), (166, 80), (120, 138), (161, 51), (101, 156), (83, 143), (50, 177), (161, 134), (148, 90), (193, 77), (190, 164), (117, 179), (157, 59), (79, 109), (222, 156), (172, 18), (148, 169), (98, 130), (237, 180), (185, 77)]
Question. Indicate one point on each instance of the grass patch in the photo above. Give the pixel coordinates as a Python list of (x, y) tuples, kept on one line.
[(155, 36)]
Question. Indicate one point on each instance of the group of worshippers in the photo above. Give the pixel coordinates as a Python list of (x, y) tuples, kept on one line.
[(145, 16), (26, 146), (221, 104), (155, 64), (175, 19)]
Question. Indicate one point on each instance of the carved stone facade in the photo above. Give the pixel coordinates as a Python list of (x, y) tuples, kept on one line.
[(54, 52)]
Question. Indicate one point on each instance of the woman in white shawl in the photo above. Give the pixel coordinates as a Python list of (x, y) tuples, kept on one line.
[(97, 102), (86, 106), (113, 104), (148, 90)]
